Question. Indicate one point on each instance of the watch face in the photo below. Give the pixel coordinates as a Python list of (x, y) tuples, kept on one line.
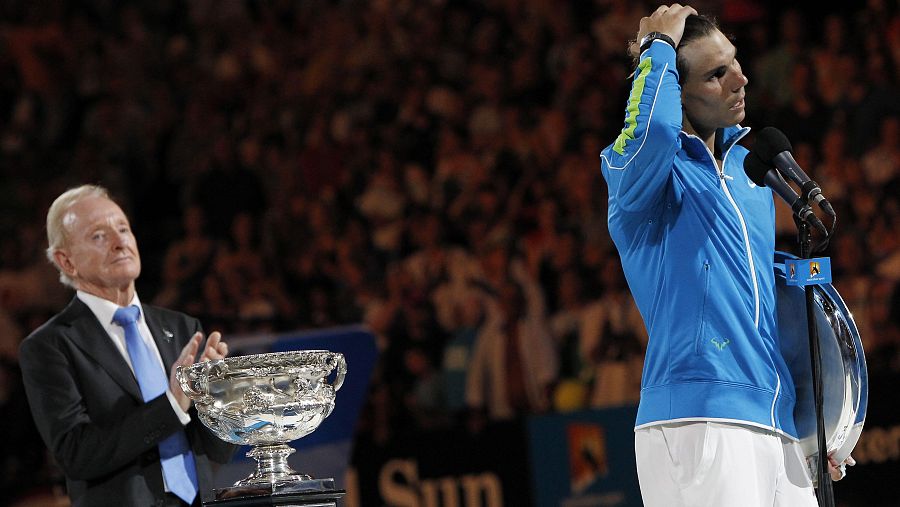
[(648, 38), (652, 36)]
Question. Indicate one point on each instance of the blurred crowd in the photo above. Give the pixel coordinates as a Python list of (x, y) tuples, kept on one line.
[(427, 167)]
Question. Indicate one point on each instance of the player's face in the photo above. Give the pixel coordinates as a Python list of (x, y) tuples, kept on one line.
[(713, 91)]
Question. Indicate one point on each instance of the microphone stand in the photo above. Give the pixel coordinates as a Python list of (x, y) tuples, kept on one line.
[(824, 491)]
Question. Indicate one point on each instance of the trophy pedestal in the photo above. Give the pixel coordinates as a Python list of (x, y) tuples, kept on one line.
[(305, 493)]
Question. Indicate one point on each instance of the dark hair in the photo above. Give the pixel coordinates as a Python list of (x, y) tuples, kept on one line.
[(695, 27)]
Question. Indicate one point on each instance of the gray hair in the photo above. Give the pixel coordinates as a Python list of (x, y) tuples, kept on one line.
[(56, 230)]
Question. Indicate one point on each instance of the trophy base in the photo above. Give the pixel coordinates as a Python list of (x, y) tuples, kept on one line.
[(306, 493)]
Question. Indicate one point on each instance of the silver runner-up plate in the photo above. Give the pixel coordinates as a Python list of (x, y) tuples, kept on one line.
[(843, 364)]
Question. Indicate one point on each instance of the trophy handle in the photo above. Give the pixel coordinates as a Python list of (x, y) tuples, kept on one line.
[(340, 371), (187, 385)]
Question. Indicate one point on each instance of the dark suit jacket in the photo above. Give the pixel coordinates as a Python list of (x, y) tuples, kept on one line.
[(88, 408)]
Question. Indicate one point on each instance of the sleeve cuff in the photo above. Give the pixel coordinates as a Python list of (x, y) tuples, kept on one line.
[(182, 415)]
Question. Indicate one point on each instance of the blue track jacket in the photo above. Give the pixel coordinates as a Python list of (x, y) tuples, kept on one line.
[(697, 247)]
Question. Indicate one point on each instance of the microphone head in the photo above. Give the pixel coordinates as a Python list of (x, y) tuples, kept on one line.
[(770, 142), (756, 169)]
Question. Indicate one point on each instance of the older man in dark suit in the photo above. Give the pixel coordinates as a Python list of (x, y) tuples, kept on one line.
[(100, 374)]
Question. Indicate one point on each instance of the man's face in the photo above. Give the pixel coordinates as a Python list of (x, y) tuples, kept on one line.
[(713, 92), (100, 253)]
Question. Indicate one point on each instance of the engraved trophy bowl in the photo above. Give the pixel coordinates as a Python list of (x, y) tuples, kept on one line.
[(266, 401)]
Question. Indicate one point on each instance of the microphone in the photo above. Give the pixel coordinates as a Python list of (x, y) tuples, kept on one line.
[(773, 148), (766, 176)]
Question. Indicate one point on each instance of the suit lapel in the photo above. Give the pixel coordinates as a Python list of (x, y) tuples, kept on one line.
[(89, 335), (163, 336)]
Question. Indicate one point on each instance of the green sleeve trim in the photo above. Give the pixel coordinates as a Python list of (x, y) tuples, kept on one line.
[(634, 100)]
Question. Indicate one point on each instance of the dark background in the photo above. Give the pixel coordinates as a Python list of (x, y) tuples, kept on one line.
[(346, 161)]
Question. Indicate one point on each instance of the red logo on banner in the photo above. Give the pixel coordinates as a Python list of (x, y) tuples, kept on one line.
[(587, 454)]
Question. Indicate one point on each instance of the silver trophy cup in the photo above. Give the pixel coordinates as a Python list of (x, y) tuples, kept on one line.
[(266, 401)]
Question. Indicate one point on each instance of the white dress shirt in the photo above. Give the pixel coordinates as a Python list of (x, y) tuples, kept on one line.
[(104, 309)]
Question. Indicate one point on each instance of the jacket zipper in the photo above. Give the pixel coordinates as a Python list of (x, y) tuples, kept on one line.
[(746, 234), (721, 173), (702, 323)]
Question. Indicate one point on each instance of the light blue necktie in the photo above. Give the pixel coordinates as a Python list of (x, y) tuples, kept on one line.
[(175, 452)]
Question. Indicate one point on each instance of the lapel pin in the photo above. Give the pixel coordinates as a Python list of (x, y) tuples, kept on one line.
[(168, 335)]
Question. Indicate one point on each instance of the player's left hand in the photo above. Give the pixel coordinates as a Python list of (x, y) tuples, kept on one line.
[(839, 471)]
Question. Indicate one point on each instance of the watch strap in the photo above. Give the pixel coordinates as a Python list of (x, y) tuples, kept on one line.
[(652, 36)]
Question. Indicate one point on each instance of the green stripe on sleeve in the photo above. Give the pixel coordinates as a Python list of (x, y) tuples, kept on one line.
[(634, 100)]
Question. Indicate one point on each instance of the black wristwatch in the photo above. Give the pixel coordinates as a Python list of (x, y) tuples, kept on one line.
[(652, 36)]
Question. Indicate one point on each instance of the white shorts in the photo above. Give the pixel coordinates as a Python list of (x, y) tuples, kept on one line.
[(710, 464)]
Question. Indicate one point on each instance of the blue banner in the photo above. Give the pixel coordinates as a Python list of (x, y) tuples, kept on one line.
[(584, 458)]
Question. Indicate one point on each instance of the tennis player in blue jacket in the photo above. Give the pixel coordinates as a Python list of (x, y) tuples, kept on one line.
[(697, 238)]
